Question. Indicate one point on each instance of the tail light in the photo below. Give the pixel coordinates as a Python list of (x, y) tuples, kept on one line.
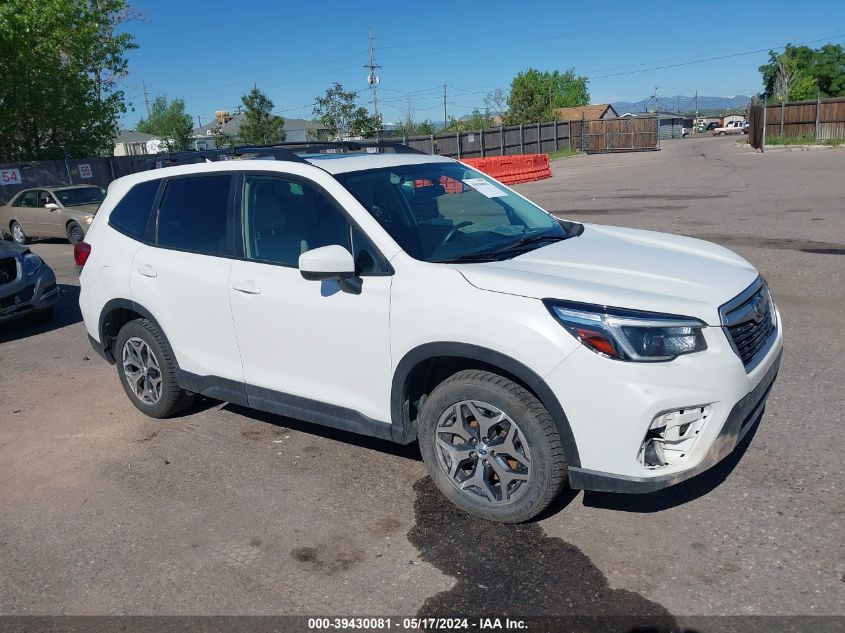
[(81, 252)]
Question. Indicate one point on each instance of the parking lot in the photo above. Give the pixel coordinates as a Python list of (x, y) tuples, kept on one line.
[(232, 511)]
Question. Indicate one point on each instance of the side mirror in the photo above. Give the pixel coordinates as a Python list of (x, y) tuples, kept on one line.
[(51, 205), (330, 263)]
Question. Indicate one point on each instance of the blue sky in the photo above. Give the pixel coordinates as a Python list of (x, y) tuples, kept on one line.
[(210, 52)]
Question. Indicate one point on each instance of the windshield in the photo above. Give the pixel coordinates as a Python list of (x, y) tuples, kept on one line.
[(442, 212), (79, 196)]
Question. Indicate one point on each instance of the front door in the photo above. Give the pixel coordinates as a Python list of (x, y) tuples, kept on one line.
[(308, 342), (51, 222)]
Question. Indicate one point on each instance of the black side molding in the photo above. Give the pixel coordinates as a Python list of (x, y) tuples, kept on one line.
[(288, 405)]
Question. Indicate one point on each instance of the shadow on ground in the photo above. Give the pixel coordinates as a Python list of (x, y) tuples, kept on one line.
[(518, 571), (410, 451), (66, 312)]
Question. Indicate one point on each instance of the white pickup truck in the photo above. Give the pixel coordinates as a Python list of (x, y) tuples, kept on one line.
[(732, 127)]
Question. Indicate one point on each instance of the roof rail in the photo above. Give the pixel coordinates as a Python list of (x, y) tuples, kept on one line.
[(227, 153), (279, 151), (341, 147)]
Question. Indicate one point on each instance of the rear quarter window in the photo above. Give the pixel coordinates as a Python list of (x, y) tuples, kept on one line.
[(131, 215)]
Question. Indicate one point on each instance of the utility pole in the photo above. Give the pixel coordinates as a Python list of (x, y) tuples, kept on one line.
[(372, 78), (146, 98), (696, 107), (445, 123), (656, 101), (199, 123)]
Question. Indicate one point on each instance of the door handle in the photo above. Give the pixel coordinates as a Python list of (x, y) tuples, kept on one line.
[(146, 270), (247, 287)]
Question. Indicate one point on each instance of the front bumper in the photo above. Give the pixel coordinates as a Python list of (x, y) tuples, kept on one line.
[(610, 406), (741, 419), (27, 295)]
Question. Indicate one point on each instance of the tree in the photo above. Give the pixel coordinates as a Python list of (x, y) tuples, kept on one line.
[(342, 117), (58, 78), (170, 123), (535, 94), (221, 139), (475, 122), (801, 72), (496, 102), (260, 125)]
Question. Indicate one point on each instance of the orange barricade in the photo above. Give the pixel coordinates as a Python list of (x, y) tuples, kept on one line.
[(513, 169)]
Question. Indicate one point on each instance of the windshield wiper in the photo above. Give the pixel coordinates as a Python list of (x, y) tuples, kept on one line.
[(497, 254), (520, 244)]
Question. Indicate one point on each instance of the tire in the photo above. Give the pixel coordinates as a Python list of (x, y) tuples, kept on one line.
[(532, 461), (155, 363), (75, 234), (18, 236)]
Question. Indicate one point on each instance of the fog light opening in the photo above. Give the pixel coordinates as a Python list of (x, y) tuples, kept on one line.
[(671, 436)]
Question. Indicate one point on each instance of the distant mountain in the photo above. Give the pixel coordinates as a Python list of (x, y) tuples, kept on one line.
[(687, 104)]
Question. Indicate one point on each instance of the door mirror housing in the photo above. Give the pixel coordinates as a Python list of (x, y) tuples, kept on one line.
[(330, 263), (51, 205)]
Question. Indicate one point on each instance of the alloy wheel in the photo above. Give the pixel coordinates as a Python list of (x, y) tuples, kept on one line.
[(483, 452), (142, 371), (17, 233)]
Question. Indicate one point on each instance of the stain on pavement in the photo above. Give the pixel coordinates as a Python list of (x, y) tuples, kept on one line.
[(515, 570)]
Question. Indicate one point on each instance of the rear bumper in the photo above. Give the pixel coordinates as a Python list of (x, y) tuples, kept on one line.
[(741, 419)]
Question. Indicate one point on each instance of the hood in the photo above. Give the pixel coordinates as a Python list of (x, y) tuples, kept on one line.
[(625, 268), (10, 248), (85, 208)]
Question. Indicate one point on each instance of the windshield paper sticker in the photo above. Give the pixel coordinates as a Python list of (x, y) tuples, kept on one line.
[(485, 188)]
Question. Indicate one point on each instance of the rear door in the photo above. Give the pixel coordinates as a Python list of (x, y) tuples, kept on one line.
[(25, 211), (182, 275)]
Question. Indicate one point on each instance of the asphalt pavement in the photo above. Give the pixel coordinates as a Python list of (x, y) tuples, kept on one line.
[(230, 511)]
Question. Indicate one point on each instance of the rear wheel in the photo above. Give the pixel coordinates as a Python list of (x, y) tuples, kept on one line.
[(147, 370), (491, 447), (17, 233), (75, 234)]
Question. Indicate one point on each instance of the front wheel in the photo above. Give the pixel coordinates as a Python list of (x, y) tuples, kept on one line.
[(491, 447), (75, 234)]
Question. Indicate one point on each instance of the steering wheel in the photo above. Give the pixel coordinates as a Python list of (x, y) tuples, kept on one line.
[(454, 230)]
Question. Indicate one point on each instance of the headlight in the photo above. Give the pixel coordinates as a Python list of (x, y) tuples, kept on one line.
[(87, 219), (630, 335), (32, 263)]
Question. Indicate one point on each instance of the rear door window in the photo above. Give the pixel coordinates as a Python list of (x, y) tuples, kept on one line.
[(131, 215), (194, 215), (27, 200)]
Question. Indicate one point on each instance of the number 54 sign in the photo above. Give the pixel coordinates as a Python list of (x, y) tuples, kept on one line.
[(10, 177)]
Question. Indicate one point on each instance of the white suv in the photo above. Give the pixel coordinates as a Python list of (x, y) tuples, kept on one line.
[(409, 297)]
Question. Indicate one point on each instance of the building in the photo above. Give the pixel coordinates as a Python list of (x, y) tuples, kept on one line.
[(588, 112), (296, 130), (132, 143), (670, 124)]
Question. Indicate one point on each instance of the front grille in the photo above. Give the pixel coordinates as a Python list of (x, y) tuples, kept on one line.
[(18, 298), (749, 322), (8, 270)]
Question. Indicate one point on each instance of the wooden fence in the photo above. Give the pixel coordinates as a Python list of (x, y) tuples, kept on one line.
[(536, 138), (821, 119), (625, 134)]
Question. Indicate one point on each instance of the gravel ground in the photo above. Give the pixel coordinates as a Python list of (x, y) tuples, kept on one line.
[(230, 511)]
